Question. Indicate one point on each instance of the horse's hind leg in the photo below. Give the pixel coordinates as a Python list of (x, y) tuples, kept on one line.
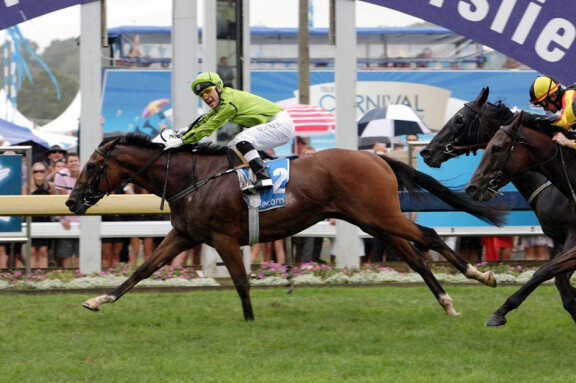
[(231, 254), (397, 224), (417, 263), (170, 247), (431, 240)]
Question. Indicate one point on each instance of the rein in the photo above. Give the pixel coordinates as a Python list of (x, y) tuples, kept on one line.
[(92, 195), (195, 186), (566, 174)]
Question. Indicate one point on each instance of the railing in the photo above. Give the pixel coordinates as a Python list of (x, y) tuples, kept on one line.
[(149, 204)]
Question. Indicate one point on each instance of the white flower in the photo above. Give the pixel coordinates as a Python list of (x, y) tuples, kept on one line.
[(269, 281), (307, 279), (178, 282)]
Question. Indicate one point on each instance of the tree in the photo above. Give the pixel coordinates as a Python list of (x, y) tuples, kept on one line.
[(38, 101)]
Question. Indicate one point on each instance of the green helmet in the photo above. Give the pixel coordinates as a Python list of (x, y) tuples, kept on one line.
[(204, 80)]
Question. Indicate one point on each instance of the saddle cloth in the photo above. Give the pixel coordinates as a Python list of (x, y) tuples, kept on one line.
[(273, 198)]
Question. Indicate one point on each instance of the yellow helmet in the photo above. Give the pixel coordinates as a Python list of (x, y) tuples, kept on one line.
[(543, 87)]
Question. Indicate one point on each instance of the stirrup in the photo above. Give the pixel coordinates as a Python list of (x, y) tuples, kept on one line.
[(258, 186)]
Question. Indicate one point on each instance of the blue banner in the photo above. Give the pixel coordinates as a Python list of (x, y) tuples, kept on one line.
[(136, 101), (10, 184), (540, 34), (14, 12)]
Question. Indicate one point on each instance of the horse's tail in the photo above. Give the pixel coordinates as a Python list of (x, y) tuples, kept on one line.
[(413, 181)]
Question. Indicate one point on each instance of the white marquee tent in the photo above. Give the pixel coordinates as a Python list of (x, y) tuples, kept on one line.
[(8, 113)]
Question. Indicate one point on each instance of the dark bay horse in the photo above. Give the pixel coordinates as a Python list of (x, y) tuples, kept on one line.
[(470, 129), (359, 187), (512, 150)]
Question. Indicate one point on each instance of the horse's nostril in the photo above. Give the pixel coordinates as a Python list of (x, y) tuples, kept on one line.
[(425, 153), (70, 203)]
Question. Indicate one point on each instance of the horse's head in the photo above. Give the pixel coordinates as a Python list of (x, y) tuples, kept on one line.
[(505, 155), (95, 180), (459, 135)]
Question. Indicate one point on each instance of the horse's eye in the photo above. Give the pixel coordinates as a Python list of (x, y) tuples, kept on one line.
[(496, 149), (458, 120), (90, 166)]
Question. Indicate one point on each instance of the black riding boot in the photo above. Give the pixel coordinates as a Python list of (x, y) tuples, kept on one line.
[(258, 167)]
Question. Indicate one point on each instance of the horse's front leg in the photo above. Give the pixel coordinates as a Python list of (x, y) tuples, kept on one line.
[(566, 290), (170, 247), (562, 264), (230, 251), (417, 263)]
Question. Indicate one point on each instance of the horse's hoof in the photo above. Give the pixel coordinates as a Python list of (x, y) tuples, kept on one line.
[(490, 279), (496, 321), (90, 304)]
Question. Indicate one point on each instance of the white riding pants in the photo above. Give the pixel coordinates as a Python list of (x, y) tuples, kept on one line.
[(278, 131)]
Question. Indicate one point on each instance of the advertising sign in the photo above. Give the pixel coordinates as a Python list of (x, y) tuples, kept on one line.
[(538, 33), (10, 184), (136, 101)]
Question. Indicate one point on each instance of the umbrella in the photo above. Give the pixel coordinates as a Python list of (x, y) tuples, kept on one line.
[(311, 120), (391, 120), (155, 107)]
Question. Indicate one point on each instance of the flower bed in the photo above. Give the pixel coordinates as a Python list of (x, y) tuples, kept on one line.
[(49, 279), (269, 274)]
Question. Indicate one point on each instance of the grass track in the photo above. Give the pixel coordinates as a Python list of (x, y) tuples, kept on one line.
[(376, 334)]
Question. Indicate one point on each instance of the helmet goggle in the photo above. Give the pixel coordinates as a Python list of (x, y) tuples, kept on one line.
[(206, 91), (541, 101)]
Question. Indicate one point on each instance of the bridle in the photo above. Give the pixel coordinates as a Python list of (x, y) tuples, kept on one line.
[(91, 196), (449, 149), (494, 183)]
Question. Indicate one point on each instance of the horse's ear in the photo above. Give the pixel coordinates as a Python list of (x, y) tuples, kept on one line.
[(517, 121), (115, 142), (482, 97)]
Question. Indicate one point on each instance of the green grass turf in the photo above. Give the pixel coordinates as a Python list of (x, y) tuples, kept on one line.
[(328, 334)]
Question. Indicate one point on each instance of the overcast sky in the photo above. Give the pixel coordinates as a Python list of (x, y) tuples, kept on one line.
[(270, 13)]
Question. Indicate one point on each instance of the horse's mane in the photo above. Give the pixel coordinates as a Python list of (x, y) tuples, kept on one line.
[(143, 140), (498, 113)]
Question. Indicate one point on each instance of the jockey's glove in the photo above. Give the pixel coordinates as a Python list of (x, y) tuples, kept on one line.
[(173, 142), (180, 132)]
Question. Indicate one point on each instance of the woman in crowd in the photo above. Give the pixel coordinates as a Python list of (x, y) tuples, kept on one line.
[(39, 185)]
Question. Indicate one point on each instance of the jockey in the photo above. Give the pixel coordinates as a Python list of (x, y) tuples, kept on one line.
[(269, 125), (548, 92)]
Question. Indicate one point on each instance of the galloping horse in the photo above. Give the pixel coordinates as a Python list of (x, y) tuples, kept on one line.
[(512, 150), (358, 187), (471, 128)]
